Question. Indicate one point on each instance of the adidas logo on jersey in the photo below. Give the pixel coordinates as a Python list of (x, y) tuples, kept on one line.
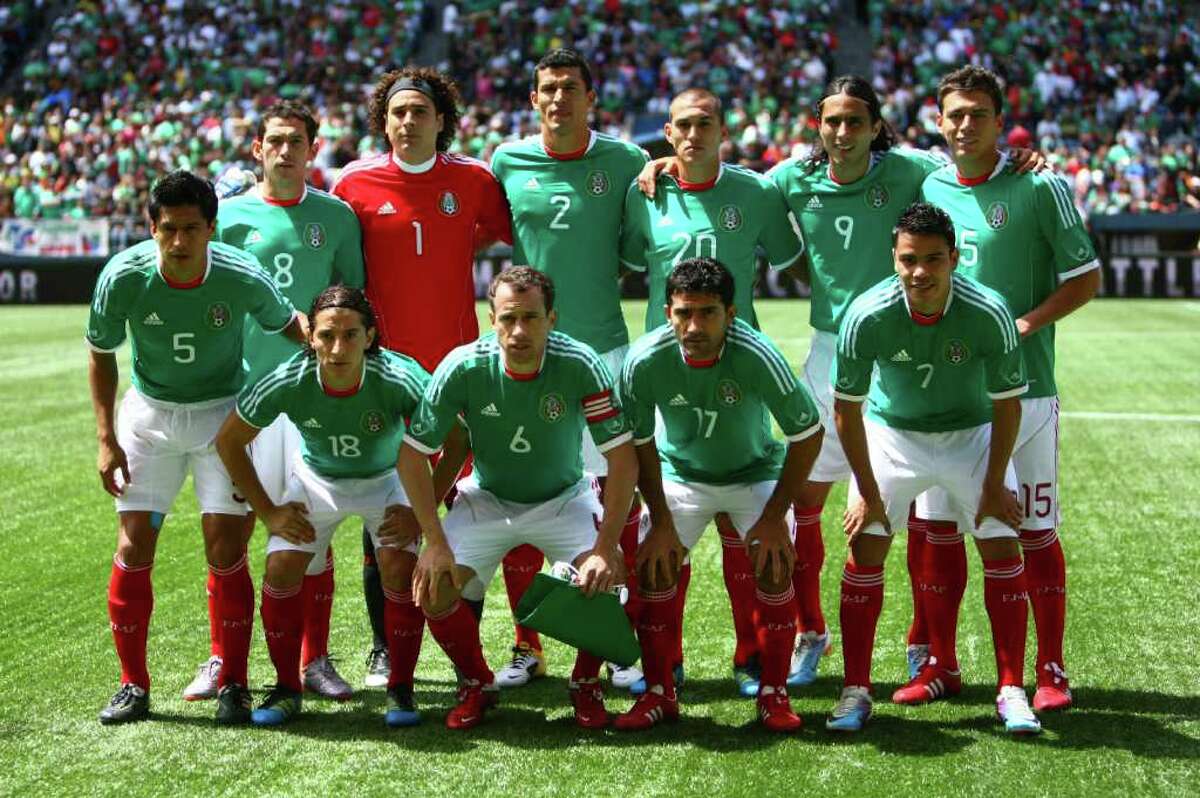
[(152, 320), (814, 204), (901, 357), (312, 423), (532, 183), (678, 401), (490, 410), (386, 209)]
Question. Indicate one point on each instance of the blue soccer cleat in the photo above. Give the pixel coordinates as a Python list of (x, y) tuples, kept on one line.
[(851, 712), (917, 655), (810, 647), (280, 706), (401, 709), (748, 678), (1012, 707)]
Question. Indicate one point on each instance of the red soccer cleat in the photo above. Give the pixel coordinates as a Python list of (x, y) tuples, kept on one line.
[(588, 700), (775, 711), (1053, 690), (473, 701), (650, 710), (933, 682)]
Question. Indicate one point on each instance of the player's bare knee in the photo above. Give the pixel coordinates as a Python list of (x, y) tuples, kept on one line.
[(447, 595), (998, 548), (137, 539), (285, 569), (771, 586), (871, 550), (814, 494), (224, 538), (396, 568)]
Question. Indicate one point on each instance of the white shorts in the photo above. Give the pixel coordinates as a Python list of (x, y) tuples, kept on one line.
[(831, 465), (273, 452), (593, 461), (161, 441), (481, 528), (331, 501), (907, 463), (693, 506), (1035, 459)]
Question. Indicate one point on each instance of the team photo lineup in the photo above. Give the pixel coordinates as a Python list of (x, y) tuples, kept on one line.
[(312, 356)]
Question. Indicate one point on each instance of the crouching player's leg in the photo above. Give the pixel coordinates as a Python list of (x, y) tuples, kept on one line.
[(396, 536)]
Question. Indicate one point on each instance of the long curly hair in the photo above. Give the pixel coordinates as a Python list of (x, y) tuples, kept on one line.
[(446, 100)]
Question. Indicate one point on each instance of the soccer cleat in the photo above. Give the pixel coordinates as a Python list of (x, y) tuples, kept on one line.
[(775, 711), (401, 709), (526, 663), (917, 655), (280, 706), (1054, 690), (130, 703), (379, 668), (588, 700), (623, 676), (810, 647), (653, 708), (639, 687), (204, 686), (1012, 707), (932, 683), (746, 677), (234, 705), (852, 710), (322, 678), (474, 700)]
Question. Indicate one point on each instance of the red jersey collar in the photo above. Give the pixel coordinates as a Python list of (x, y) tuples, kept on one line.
[(519, 377), (928, 320), (282, 203), (979, 181), (195, 283), (701, 364), (571, 156), (705, 186), (343, 392)]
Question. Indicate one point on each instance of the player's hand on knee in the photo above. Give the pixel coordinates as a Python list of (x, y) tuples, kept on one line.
[(860, 515), (650, 172), (769, 547), (600, 570), (1001, 503), (435, 564), (109, 462), (399, 527), (288, 521), (659, 558)]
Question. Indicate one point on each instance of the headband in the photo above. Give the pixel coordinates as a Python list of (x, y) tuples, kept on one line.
[(414, 84)]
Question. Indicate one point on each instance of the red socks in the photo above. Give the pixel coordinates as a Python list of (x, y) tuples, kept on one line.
[(520, 566), (318, 607), (681, 589), (457, 632), (806, 579), (235, 609), (629, 544), (214, 626), (862, 601), (130, 602), (405, 625), (918, 631), (587, 667), (658, 632), (942, 582), (740, 584), (776, 634), (1006, 597), (1046, 573), (283, 622)]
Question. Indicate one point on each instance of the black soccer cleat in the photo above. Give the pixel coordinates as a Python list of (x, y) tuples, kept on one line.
[(131, 703), (234, 705)]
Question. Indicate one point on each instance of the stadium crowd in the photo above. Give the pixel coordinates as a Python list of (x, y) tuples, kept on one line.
[(1108, 90)]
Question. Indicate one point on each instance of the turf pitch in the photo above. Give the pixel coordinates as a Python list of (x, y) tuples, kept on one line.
[(1131, 435)]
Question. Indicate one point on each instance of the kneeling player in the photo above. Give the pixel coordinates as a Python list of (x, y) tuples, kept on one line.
[(943, 346), (712, 379), (349, 400), (525, 394)]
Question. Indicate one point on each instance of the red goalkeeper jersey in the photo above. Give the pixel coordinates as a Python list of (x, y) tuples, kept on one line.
[(420, 231)]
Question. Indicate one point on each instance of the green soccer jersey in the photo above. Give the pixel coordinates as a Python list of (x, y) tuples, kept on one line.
[(1021, 236), (566, 222), (847, 227), (343, 436), (305, 246), (741, 212), (931, 377), (525, 429), (716, 415), (187, 341)]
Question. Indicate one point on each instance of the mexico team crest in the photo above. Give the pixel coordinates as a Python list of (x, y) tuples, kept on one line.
[(218, 316), (877, 196), (372, 422), (597, 183), (731, 218), (956, 352), (448, 204), (728, 392), (552, 407), (997, 215), (314, 235)]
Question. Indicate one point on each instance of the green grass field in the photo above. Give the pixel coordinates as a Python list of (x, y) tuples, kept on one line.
[(1131, 458)]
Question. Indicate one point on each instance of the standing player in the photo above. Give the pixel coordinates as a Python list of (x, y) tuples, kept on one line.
[(184, 302), (932, 348), (423, 213), (1022, 237), (566, 187), (713, 379), (306, 240), (724, 212)]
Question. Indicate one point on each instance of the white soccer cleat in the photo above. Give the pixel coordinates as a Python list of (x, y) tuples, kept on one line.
[(379, 668), (810, 647), (204, 686), (623, 676), (526, 663), (1012, 707)]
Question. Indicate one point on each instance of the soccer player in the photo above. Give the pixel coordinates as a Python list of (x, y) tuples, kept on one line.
[(943, 409), (1021, 236), (306, 239), (350, 400), (713, 379), (524, 393), (724, 212), (183, 301), (566, 187), (424, 213)]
